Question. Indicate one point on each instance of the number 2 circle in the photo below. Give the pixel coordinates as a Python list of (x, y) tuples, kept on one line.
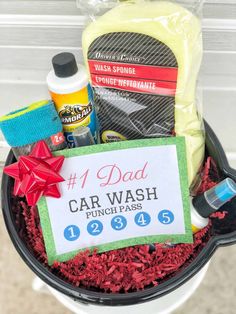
[(95, 227), (71, 233), (118, 223)]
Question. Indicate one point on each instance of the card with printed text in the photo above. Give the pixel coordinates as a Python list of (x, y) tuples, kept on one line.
[(118, 195)]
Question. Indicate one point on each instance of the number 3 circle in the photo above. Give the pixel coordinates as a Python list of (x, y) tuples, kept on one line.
[(95, 227), (118, 223), (166, 217)]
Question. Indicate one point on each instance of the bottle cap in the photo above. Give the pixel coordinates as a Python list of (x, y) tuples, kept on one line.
[(64, 64), (215, 198), (224, 191), (83, 137)]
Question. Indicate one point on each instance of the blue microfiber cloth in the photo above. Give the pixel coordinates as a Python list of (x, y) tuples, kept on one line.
[(31, 124)]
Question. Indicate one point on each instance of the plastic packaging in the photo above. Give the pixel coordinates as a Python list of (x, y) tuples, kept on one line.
[(144, 57), (25, 127), (82, 136), (72, 94), (95, 8)]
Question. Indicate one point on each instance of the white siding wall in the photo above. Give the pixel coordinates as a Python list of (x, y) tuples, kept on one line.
[(31, 32)]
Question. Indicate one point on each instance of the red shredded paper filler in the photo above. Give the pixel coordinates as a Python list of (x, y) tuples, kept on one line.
[(118, 271)]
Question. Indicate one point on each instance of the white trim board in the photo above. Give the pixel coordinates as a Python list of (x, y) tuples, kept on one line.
[(79, 20), (211, 8), (41, 20)]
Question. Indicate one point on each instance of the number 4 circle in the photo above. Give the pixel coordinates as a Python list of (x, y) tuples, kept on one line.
[(142, 219)]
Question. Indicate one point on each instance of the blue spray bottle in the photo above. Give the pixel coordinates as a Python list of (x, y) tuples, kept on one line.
[(204, 205)]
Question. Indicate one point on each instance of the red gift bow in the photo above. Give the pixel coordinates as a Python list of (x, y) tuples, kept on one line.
[(36, 175)]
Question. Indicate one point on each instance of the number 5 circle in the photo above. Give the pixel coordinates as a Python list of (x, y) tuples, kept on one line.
[(166, 217), (95, 227)]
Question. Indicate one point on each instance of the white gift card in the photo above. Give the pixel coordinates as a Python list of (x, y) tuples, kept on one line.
[(118, 195)]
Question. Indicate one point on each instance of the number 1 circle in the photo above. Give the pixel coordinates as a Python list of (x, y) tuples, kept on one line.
[(71, 233)]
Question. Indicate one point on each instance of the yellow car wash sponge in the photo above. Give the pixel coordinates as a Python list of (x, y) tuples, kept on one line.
[(144, 58)]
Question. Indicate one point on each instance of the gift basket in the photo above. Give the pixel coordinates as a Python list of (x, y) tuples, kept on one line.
[(133, 104)]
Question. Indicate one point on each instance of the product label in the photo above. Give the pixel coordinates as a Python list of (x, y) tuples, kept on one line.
[(112, 136), (74, 114), (195, 229), (134, 77), (57, 139), (76, 110)]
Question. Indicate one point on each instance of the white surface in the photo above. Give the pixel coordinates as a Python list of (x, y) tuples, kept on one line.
[(164, 305)]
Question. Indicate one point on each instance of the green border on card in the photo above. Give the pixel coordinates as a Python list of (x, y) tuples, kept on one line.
[(179, 142)]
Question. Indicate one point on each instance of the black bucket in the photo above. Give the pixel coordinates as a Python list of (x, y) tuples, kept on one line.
[(223, 233)]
